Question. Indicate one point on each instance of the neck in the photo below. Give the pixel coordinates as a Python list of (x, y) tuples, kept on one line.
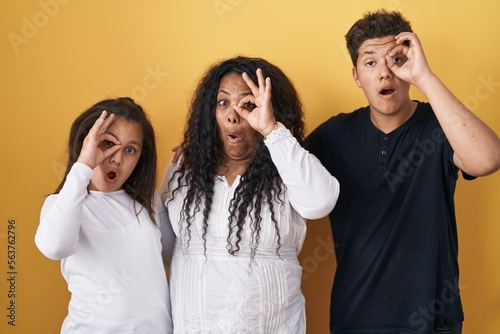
[(231, 169), (389, 122)]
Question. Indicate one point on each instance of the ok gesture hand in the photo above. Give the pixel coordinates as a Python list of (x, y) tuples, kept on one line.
[(94, 148), (408, 63), (261, 118)]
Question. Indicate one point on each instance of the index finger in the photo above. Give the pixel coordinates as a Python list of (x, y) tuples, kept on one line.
[(398, 49), (260, 78), (407, 36), (102, 123), (107, 121), (253, 87)]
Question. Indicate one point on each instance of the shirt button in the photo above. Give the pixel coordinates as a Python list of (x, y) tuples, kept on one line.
[(386, 138), (384, 152)]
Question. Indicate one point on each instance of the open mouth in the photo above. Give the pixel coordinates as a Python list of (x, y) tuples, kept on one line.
[(233, 137), (111, 175), (387, 91)]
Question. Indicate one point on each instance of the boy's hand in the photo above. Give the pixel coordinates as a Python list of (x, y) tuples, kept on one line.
[(408, 63)]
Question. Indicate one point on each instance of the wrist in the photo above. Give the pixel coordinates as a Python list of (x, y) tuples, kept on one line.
[(424, 79), (277, 125)]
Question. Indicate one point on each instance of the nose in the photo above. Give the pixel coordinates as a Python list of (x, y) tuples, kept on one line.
[(232, 116), (117, 158), (385, 72)]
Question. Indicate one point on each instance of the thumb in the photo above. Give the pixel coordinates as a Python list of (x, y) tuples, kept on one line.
[(242, 112), (110, 151)]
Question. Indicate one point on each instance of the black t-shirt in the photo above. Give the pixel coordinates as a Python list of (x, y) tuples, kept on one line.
[(393, 225)]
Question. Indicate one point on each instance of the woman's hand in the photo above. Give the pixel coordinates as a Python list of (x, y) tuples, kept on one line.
[(94, 149), (178, 150), (261, 118)]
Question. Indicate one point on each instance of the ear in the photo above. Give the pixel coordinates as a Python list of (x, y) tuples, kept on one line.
[(355, 76)]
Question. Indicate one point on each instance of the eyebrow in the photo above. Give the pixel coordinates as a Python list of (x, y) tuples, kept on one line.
[(368, 53), (135, 142), (111, 134), (389, 51), (227, 93), (371, 52), (132, 142)]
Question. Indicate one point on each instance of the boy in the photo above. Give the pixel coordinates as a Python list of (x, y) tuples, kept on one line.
[(397, 161)]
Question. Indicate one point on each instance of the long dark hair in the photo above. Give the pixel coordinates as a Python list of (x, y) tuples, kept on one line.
[(141, 184), (261, 182)]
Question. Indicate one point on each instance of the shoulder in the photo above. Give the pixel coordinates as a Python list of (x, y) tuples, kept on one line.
[(49, 201), (342, 122), (168, 181), (346, 118), (425, 118), (336, 128), (424, 109)]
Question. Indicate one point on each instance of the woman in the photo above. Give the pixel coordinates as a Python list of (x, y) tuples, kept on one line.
[(239, 201)]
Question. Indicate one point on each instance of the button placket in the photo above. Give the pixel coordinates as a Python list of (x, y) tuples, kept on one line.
[(384, 151)]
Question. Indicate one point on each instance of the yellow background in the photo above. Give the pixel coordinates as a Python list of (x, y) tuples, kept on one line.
[(58, 57)]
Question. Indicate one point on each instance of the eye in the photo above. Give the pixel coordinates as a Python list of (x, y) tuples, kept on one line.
[(249, 106), (108, 143), (130, 150), (222, 103), (370, 63), (399, 60)]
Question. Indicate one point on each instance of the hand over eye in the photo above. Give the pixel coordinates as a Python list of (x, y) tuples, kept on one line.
[(249, 106)]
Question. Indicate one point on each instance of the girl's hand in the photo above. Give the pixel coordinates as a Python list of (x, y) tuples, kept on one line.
[(97, 146), (261, 118)]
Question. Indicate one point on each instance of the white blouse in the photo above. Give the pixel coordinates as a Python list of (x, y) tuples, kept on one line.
[(215, 292)]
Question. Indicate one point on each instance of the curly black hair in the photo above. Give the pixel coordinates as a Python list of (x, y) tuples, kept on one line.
[(202, 151), (374, 25)]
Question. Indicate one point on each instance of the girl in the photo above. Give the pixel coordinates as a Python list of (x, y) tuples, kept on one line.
[(105, 224)]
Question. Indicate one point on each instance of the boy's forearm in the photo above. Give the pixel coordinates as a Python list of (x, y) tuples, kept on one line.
[(476, 146)]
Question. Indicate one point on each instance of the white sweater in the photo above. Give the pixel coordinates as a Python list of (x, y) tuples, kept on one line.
[(110, 258)]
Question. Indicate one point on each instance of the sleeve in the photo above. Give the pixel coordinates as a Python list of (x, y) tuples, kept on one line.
[(312, 190), (167, 233), (61, 215), (167, 175), (450, 159)]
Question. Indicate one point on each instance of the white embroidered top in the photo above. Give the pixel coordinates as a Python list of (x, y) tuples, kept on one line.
[(215, 292)]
